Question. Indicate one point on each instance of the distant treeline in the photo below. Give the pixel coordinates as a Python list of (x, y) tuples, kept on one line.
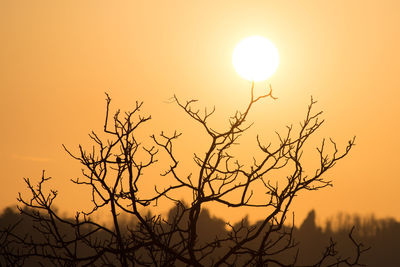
[(382, 235)]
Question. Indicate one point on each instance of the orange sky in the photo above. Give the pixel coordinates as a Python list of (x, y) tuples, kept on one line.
[(58, 57)]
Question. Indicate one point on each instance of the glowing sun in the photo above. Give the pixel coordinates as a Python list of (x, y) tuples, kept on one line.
[(255, 58)]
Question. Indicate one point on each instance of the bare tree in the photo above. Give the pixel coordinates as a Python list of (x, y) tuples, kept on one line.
[(114, 168)]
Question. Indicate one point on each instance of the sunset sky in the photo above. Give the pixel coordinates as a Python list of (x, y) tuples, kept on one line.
[(57, 58)]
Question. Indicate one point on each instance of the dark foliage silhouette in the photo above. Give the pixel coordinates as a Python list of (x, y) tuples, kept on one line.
[(381, 234), (113, 170)]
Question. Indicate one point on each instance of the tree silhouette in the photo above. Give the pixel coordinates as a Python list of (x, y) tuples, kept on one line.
[(113, 170)]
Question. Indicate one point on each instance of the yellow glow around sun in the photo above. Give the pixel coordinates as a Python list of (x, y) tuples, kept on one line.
[(255, 58)]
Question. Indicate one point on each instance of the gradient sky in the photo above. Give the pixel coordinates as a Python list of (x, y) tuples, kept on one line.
[(57, 58)]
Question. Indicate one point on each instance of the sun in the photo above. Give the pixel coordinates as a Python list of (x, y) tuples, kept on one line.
[(255, 58)]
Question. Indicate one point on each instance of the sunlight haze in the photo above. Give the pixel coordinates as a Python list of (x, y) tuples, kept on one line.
[(57, 58)]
